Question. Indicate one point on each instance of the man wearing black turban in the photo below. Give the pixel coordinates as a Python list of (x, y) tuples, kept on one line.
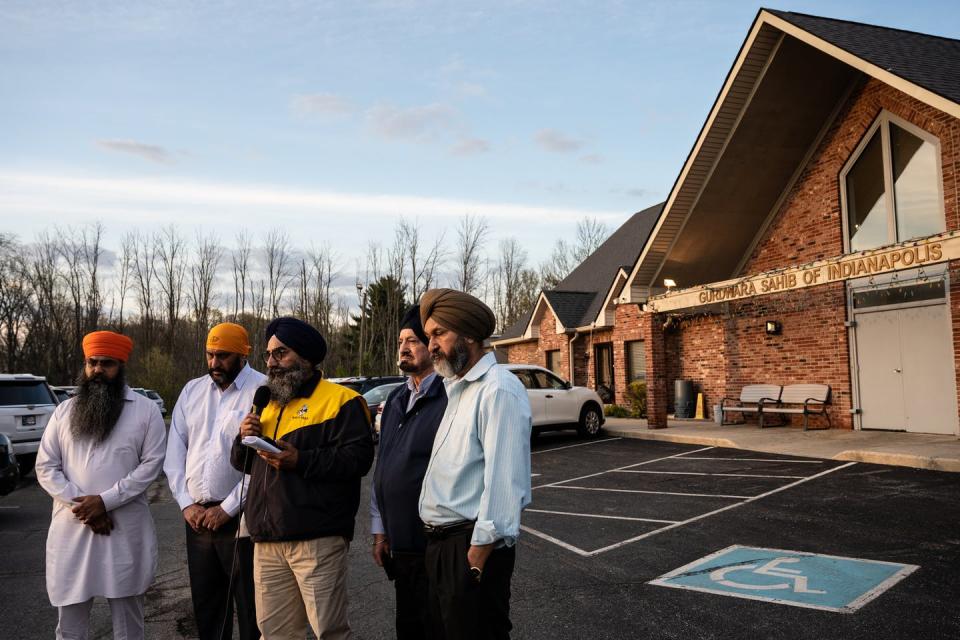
[(304, 499)]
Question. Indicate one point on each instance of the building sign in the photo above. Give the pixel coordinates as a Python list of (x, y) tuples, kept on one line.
[(939, 248)]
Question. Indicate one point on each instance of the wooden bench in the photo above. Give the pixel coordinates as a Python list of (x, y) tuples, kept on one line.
[(801, 399), (754, 398)]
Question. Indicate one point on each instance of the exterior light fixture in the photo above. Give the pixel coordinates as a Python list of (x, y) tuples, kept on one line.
[(773, 327), (669, 284)]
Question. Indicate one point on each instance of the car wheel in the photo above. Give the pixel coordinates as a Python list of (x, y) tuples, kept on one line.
[(25, 462), (590, 422)]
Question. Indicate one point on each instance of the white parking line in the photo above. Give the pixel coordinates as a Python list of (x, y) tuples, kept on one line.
[(629, 466), (697, 473), (600, 515), (715, 511), (662, 493), (750, 459), (570, 446)]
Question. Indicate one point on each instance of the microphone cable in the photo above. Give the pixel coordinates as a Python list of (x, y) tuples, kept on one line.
[(236, 551)]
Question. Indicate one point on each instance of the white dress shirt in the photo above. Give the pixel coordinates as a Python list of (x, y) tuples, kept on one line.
[(480, 465), (205, 422)]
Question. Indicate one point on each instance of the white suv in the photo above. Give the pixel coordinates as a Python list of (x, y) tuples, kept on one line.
[(26, 404), (556, 404)]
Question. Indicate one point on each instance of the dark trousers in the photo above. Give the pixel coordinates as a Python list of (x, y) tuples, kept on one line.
[(209, 558), (410, 583), (463, 608)]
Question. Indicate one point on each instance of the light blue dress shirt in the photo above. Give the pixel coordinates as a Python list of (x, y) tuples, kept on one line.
[(480, 465)]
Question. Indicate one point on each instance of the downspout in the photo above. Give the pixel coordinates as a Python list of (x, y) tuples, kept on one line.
[(573, 369)]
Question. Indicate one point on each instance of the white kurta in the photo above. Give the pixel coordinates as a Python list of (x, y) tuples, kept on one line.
[(80, 563)]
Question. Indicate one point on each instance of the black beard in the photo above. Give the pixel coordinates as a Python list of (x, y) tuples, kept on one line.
[(97, 407), (285, 382), (453, 366)]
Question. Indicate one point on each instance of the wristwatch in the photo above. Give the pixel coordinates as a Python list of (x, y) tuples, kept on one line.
[(475, 573)]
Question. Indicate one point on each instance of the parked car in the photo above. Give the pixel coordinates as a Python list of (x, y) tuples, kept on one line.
[(375, 399), (64, 393), (9, 471), (153, 395), (362, 384), (26, 404), (556, 404)]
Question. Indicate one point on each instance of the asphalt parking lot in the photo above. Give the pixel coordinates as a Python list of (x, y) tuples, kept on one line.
[(632, 538)]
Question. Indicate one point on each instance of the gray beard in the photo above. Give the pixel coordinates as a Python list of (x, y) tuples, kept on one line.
[(97, 407), (284, 384), (454, 367)]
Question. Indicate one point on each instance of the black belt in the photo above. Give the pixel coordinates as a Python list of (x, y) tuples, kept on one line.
[(441, 531)]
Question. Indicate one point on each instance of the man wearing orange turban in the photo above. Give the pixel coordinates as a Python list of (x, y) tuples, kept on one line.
[(208, 489), (100, 452)]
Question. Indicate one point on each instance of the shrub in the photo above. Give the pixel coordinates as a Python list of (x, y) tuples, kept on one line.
[(615, 411), (637, 399)]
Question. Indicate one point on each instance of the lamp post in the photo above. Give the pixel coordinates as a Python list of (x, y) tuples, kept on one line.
[(360, 297)]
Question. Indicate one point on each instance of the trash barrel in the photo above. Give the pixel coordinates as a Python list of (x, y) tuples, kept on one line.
[(685, 398)]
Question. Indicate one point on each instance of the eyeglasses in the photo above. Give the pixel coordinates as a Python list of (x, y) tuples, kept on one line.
[(277, 354), (103, 363)]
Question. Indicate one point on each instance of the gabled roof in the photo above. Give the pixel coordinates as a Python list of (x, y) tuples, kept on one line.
[(931, 62), (792, 68), (577, 299)]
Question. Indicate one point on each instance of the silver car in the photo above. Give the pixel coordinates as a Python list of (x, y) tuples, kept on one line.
[(556, 404), (26, 404)]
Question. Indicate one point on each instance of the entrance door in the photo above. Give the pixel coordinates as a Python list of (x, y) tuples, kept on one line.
[(603, 358), (905, 360)]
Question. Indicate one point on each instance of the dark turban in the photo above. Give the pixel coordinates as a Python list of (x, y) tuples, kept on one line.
[(459, 312), (411, 320), (299, 336)]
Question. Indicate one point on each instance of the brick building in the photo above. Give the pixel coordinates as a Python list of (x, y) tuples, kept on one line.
[(812, 236)]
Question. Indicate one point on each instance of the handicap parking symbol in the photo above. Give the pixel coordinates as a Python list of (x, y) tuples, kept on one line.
[(815, 581)]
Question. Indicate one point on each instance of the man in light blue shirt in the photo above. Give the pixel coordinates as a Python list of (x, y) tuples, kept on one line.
[(478, 478)]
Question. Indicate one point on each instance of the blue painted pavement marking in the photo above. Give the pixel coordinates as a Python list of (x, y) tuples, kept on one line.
[(810, 580)]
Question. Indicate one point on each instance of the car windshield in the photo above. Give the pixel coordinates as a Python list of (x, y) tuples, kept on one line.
[(153, 395), (18, 392), (354, 386), (379, 394)]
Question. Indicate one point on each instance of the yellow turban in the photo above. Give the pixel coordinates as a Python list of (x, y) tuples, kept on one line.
[(230, 337), (107, 344), (459, 312)]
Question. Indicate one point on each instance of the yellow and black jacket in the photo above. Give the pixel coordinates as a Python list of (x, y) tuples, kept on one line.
[(330, 427)]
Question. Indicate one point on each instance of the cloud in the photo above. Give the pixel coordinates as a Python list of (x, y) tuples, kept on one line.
[(322, 104), (411, 123), (591, 158), (555, 142), (149, 152), (471, 90), (470, 147)]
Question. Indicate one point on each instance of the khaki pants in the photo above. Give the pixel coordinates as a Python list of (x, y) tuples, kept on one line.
[(300, 581)]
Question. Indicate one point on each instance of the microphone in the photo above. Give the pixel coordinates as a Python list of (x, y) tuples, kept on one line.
[(260, 399)]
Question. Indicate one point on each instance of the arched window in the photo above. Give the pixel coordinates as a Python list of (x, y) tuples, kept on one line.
[(891, 188)]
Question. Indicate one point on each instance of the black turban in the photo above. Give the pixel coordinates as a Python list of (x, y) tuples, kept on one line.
[(300, 337), (459, 312), (411, 320)]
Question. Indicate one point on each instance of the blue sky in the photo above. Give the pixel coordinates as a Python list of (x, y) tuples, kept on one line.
[(330, 119)]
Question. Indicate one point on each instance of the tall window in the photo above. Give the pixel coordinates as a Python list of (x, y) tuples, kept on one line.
[(636, 361), (892, 187), (553, 361)]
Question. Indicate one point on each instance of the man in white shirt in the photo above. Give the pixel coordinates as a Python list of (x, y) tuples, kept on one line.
[(100, 452), (208, 489)]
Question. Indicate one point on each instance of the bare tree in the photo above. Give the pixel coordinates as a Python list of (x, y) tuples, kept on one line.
[(144, 280), (566, 256), (240, 261), (515, 287), (471, 234), (203, 273), (422, 267), (590, 235), (14, 299), (172, 270), (122, 273), (276, 259)]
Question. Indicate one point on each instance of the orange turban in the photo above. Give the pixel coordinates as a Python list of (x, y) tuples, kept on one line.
[(107, 344), (230, 337), (459, 312)]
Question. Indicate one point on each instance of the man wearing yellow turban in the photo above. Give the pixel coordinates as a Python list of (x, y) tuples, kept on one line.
[(100, 452), (208, 489)]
